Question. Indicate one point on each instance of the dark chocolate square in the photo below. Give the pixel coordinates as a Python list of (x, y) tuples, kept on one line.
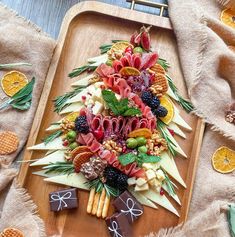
[(118, 225), (63, 199), (126, 203)]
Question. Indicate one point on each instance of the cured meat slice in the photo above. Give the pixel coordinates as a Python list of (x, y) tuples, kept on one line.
[(104, 70)]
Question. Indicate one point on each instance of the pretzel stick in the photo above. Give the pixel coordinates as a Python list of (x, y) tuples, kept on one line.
[(95, 204), (90, 200), (106, 207), (101, 203)]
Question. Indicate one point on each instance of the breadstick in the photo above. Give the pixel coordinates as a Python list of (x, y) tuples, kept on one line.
[(101, 203), (95, 204), (90, 200), (106, 207)]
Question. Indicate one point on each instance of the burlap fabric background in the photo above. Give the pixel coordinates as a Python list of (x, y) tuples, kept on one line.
[(20, 41), (209, 69)]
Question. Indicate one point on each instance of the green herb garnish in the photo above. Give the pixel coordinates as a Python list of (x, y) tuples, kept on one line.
[(163, 63), (52, 136), (22, 99), (59, 167), (119, 107), (77, 71), (106, 47), (141, 158), (171, 146), (60, 101), (170, 187), (185, 104), (13, 65), (99, 185)]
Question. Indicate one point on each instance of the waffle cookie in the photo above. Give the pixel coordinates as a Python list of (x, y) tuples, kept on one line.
[(9, 142), (160, 85), (11, 232)]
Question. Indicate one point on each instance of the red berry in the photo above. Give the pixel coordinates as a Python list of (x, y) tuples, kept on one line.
[(161, 192), (148, 152), (171, 131), (124, 149), (129, 50), (83, 97), (65, 143), (99, 134)]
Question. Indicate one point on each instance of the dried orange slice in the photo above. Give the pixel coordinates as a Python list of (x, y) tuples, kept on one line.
[(12, 82), (228, 17), (129, 71), (157, 68), (120, 46), (166, 102), (223, 160), (141, 132)]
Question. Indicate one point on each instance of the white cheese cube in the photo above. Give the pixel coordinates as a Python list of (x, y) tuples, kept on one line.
[(147, 166), (97, 108), (150, 174), (142, 188), (131, 181), (160, 175), (141, 181)]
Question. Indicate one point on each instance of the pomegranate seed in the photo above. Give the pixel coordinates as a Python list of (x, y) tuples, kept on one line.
[(129, 50), (171, 131), (83, 97), (148, 152), (124, 149), (65, 143), (99, 134), (161, 192)]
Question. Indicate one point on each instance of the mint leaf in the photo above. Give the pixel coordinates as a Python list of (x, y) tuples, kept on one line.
[(148, 159), (127, 158), (111, 101), (131, 112)]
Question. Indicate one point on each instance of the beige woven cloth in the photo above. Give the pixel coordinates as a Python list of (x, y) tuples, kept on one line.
[(209, 70), (20, 41)]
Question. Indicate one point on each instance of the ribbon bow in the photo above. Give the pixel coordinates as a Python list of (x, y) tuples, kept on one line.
[(130, 204), (56, 197), (115, 229)]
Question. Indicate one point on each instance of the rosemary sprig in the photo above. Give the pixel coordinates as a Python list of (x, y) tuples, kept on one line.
[(59, 102), (99, 185), (171, 146), (163, 63), (185, 104), (77, 71), (59, 167), (12, 65), (170, 187), (52, 136)]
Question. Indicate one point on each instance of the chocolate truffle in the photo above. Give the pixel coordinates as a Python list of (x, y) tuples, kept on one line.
[(63, 199), (126, 203), (118, 225)]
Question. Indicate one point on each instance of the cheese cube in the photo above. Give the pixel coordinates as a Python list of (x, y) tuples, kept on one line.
[(160, 175), (141, 181), (131, 181), (142, 188), (98, 108), (147, 166), (150, 174)]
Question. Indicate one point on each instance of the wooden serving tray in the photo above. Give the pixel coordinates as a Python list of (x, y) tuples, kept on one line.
[(86, 26)]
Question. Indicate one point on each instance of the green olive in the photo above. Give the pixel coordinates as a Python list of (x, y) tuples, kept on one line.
[(141, 141), (71, 135), (138, 50), (131, 143), (142, 149), (73, 145)]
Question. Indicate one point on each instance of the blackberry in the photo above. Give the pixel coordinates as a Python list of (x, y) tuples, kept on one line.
[(122, 181), (146, 97), (111, 175), (160, 111), (155, 102), (81, 124)]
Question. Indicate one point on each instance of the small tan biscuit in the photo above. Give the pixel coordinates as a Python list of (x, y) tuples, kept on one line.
[(9, 142), (11, 232)]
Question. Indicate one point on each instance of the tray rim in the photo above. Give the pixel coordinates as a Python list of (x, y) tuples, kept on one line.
[(122, 13)]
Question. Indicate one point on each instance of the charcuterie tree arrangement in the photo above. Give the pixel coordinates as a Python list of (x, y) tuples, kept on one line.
[(116, 137)]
